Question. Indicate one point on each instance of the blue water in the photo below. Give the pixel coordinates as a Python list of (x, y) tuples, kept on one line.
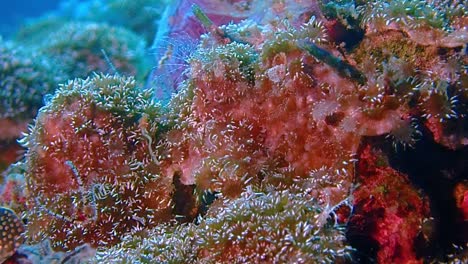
[(14, 13)]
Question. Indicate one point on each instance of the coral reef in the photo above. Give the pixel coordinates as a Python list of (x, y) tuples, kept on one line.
[(262, 99), (139, 16), (92, 168), (25, 77), (387, 209), (276, 227), (318, 132), (83, 48), (12, 188), (179, 30), (248, 111), (412, 52)]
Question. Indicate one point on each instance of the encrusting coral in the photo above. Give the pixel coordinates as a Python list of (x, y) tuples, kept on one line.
[(413, 56), (273, 227), (272, 143), (93, 172), (387, 209), (268, 104), (25, 77), (82, 48), (249, 110)]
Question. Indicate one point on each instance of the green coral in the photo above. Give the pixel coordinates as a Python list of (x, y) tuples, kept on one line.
[(410, 14), (407, 12), (343, 10), (120, 96), (36, 30), (238, 60), (286, 37), (166, 243), (139, 16), (83, 48), (276, 227), (25, 77)]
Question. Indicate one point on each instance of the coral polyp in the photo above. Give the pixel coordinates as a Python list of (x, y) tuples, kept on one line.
[(89, 164), (272, 131), (26, 76), (256, 227), (83, 48)]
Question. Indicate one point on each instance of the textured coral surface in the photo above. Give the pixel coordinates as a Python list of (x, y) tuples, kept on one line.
[(316, 132), (90, 174)]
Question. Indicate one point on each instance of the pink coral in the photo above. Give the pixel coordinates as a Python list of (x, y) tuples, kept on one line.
[(93, 174)]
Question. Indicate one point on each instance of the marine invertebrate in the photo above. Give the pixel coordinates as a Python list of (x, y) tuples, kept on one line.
[(81, 48), (11, 233), (405, 13), (92, 164), (276, 105), (25, 78), (406, 70), (248, 105), (438, 23), (387, 211), (179, 22), (165, 243), (12, 188), (34, 30), (273, 227), (404, 133)]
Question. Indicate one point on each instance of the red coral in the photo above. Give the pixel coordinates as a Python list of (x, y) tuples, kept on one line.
[(233, 129), (387, 209), (450, 133), (461, 198)]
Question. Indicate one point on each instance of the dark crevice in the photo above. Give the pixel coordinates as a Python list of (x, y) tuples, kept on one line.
[(435, 170), (184, 200)]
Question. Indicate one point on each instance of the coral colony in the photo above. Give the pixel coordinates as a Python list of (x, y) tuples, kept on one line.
[(287, 132)]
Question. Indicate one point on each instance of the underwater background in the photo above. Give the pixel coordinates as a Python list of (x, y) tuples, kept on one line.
[(14, 13), (234, 131)]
